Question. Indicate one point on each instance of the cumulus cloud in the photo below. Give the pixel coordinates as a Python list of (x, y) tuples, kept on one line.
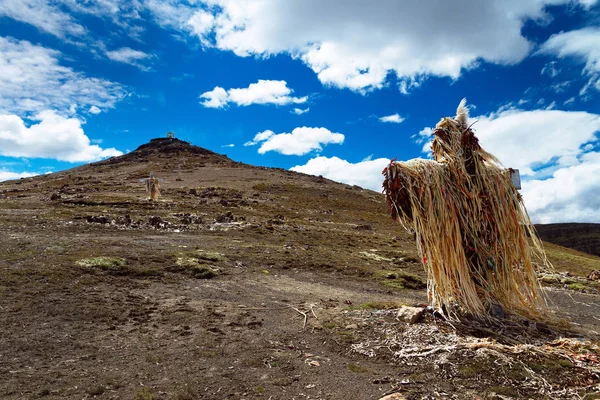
[(530, 139), (394, 118), (385, 39), (366, 173), (582, 44), (94, 110), (262, 92), (11, 175), (301, 141), (54, 136), (569, 195), (300, 111), (555, 152), (127, 55), (32, 80)]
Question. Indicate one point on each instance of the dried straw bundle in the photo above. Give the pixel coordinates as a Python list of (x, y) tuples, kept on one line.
[(152, 187), (470, 223)]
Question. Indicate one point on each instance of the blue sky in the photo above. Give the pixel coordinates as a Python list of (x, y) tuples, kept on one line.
[(333, 88)]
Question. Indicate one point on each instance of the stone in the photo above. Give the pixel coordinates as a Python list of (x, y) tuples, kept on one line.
[(393, 396), (594, 276), (497, 311), (412, 315)]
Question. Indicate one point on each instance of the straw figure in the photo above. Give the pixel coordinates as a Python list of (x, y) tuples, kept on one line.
[(152, 187), (471, 226)]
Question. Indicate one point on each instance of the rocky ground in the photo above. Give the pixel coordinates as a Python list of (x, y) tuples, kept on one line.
[(252, 283)]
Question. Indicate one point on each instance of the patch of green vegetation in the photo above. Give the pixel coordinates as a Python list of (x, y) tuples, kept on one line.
[(379, 305), (401, 280), (144, 394), (107, 263), (116, 266), (374, 256), (211, 256), (577, 286), (194, 267), (574, 261), (260, 389), (357, 369), (329, 325)]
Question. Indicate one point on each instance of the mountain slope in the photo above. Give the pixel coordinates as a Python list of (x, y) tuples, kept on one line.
[(240, 282), (579, 236)]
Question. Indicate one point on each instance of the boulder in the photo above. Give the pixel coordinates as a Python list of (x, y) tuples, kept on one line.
[(412, 315)]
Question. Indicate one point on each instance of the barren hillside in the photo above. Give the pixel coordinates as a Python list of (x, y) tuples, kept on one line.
[(246, 282)]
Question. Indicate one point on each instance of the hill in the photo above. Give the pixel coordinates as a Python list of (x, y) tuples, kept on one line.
[(249, 282), (578, 236)]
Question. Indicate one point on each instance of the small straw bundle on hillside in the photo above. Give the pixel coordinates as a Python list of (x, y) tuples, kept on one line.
[(471, 225), (152, 187)]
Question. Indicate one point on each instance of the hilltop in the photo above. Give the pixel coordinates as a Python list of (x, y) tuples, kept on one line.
[(250, 282)]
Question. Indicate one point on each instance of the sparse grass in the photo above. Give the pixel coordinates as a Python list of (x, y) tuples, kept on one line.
[(577, 286), (194, 267), (115, 266), (144, 394), (374, 256), (102, 262), (401, 280), (379, 305), (574, 261), (211, 256)]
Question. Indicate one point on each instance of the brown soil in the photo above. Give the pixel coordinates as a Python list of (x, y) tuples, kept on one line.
[(245, 283)]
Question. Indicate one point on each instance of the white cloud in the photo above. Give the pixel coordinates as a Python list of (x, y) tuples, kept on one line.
[(54, 136), (216, 98), (94, 110), (570, 195), (582, 44), (32, 80), (550, 69), (44, 16), (352, 44), (554, 151), (262, 92), (129, 56), (529, 139), (260, 137), (366, 173), (300, 111), (201, 24), (394, 118), (301, 141), (10, 175), (228, 145)]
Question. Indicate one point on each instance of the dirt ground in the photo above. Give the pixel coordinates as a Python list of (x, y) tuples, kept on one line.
[(250, 283)]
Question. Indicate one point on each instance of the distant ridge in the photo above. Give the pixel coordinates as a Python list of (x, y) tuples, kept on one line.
[(584, 237)]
